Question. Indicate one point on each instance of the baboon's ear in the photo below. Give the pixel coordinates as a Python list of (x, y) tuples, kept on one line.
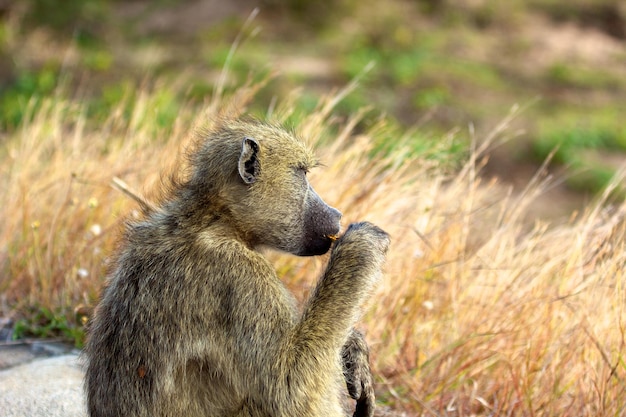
[(249, 160)]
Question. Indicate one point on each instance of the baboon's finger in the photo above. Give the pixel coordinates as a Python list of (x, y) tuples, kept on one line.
[(365, 407)]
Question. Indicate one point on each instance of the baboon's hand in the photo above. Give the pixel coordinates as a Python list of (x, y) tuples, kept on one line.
[(366, 236), (356, 370), (361, 250)]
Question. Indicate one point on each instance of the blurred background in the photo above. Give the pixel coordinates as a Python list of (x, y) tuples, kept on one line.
[(445, 71), (496, 303)]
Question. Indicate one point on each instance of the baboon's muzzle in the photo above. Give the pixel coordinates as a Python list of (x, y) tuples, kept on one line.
[(321, 226)]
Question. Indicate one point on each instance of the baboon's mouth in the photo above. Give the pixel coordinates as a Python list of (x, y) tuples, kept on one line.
[(318, 245)]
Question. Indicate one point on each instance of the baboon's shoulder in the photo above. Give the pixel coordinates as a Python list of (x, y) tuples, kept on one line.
[(232, 252)]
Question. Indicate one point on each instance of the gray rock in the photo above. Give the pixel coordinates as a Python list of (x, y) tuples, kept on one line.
[(49, 387), (15, 354)]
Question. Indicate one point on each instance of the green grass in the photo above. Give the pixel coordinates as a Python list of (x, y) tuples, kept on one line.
[(25, 94), (562, 74), (576, 142), (43, 323)]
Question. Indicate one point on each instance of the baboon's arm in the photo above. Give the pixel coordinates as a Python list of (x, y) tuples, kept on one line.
[(356, 370), (289, 367), (353, 270)]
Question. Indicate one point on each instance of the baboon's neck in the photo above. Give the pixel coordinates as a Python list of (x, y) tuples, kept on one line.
[(193, 214)]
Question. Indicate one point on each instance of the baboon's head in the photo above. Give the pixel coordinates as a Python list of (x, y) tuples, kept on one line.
[(265, 189)]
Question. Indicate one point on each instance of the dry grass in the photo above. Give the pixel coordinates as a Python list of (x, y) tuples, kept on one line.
[(479, 313)]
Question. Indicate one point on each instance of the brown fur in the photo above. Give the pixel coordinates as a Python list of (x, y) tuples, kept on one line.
[(194, 320)]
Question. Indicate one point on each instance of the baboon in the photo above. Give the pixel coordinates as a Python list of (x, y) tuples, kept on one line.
[(194, 320)]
